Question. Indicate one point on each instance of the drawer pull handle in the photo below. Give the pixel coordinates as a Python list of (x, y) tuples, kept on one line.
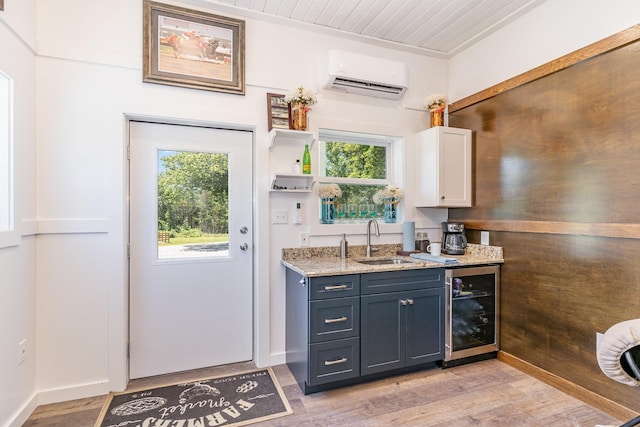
[(335, 362), (335, 287), (336, 320)]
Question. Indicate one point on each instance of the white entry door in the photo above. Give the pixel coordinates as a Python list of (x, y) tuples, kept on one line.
[(191, 248)]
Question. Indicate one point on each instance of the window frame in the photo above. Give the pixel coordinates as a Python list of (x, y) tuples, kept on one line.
[(394, 161)]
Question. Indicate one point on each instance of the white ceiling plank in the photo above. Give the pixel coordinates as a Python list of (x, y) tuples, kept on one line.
[(246, 4), (314, 11), (257, 5), (478, 20), (330, 10), (286, 8), (346, 8), (444, 20), (349, 23), (407, 21), (271, 7), (433, 27), (367, 17)]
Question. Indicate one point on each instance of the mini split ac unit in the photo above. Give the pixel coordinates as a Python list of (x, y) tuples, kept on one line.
[(366, 75)]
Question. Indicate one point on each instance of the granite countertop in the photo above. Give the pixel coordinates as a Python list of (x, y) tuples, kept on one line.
[(325, 261)]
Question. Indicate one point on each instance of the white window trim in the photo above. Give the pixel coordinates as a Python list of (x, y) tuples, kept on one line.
[(394, 166)]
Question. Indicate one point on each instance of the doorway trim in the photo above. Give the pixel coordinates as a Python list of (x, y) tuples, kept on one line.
[(260, 340)]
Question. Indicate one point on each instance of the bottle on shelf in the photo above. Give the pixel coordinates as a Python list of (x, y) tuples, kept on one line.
[(296, 166), (306, 160)]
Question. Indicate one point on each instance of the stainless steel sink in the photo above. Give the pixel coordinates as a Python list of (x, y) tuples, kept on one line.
[(383, 261)]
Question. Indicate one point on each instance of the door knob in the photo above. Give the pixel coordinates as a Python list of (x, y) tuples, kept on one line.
[(244, 230), (244, 247)]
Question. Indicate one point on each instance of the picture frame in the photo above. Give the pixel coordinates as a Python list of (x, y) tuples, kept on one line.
[(1, 4), (193, 49), (279, 111)]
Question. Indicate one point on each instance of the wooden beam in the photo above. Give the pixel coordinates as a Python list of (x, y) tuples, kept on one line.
[(605, 45), (615, 230)]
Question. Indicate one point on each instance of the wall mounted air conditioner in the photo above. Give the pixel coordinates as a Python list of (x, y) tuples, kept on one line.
[(366, 75)]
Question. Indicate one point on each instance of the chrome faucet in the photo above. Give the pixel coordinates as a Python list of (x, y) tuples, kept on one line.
[(369, 248)]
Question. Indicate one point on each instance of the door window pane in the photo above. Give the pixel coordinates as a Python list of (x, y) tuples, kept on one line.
[(193, 204)]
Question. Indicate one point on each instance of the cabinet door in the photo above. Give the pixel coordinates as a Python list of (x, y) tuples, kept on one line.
[(444, 167), (382, 332), (425, 326)]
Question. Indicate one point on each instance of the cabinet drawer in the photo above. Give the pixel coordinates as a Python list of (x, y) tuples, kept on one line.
[(334, 319), (407, 280), (334, 286), (334, 361)]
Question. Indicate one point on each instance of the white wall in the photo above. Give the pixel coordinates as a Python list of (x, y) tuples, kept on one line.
[(554, 29), (88, 78), (18, 276)]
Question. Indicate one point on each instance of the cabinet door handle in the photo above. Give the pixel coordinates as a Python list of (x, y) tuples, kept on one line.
[(410, 301), (403, 302), (334, 287), (336, 320), (335, 362)]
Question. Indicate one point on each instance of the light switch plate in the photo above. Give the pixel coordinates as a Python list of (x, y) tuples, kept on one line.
[(279, 216)]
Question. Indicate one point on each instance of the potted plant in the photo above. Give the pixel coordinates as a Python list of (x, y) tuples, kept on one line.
[(300, 100), (390, 196), (328, 194), (436, 104)]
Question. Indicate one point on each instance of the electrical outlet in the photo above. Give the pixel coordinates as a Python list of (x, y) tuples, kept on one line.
[(22, 351), (304, 239), (484, 237), (279, 216)]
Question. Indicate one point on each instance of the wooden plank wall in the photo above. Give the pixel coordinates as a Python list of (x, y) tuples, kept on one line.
[(557, 183)]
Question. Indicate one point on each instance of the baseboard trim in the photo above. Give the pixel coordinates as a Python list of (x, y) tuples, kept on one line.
[(25, 412), (79, 391), (597, 401)]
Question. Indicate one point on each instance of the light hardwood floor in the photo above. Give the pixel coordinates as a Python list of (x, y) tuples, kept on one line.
[(487, 393)]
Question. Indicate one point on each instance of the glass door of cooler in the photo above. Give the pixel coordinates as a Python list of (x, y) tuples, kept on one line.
[(472, 311)]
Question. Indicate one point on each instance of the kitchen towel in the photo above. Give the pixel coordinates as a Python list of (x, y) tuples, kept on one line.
[(408, 236), (434, 258)]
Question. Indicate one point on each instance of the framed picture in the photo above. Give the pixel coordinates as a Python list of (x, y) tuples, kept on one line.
[(1, 4), (192, 49), (279, 111)]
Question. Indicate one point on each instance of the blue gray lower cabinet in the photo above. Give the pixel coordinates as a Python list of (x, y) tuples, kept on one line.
[(346, 329)]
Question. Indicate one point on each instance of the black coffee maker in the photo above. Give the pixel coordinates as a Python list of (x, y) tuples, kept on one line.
[(454, 242)]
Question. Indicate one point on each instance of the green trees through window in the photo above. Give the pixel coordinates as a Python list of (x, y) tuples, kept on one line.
[(193, 193), (359, 165)]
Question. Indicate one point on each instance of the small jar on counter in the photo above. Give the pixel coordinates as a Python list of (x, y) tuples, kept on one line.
[(422, 241)]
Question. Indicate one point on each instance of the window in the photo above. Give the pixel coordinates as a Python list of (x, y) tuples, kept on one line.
[(360, 164), (6, 154)]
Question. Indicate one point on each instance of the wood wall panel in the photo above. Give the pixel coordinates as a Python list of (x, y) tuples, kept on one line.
[(557, 180), (557, 292), (562, 148)]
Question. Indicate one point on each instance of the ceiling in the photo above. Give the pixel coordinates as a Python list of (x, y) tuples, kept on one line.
[(438, 28)]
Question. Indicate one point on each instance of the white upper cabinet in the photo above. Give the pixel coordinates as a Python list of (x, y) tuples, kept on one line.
[(443, 165)]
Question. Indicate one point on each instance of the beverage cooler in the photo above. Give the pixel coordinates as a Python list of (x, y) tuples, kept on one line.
[(472, 313)]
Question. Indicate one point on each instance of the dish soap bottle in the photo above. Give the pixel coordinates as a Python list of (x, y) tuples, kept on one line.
[(306, 160), (344, 247)]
